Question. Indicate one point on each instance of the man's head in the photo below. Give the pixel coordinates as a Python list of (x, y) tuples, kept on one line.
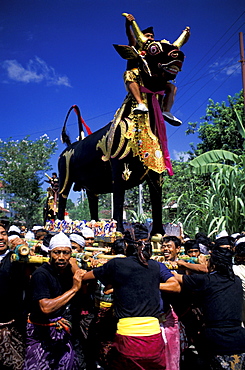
[(225, 242), (3, 239), (60, 251), (88, 235), (240, 251), (35, 228), (170, 247), (221, 261), (149, 33), (118, 247), (77, 242), (40, 234), (54, 175), (13, 233), (192, 248)]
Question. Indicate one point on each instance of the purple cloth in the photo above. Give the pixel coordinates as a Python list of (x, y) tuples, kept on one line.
[(12, 350), (161, 128), (49, 348)]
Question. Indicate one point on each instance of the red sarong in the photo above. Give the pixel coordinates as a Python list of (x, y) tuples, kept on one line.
[(137, 352)]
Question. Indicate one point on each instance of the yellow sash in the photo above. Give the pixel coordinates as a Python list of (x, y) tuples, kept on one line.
[(138, 326)]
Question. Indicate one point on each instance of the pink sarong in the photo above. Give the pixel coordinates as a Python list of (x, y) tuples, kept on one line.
[(137, 352)]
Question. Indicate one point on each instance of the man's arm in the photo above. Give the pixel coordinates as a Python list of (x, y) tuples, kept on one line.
[(89, 275), (171, 285), (49, 305), (179, 278), (129, 32), (195, 267)]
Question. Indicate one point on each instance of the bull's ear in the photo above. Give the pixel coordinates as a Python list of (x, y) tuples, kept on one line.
[(126, 51)]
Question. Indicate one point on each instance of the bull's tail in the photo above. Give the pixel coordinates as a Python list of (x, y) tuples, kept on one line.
[(64, 136)]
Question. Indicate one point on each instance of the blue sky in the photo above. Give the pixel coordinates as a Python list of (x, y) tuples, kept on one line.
[(56, 53)]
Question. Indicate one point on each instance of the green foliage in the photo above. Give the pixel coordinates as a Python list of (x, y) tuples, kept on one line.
[(136, 217), (22, 166), (240, 126), (218, 167), (79, 211), (131, 203), (219, 127), (185, 190), (223, 204), (132, 199), (212, 160), (105, 206)]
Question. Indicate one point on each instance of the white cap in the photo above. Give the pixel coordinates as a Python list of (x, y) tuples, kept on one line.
[(240, 240), (14, 228), (36, 227), (222, 234), (29, 235), (87, 232), (77, 239), (12, 237), (59, 240)]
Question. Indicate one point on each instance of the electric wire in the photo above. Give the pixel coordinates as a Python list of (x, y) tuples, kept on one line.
[(191, 81)]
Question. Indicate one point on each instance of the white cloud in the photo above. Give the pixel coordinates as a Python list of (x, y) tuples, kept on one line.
[(35, 71), (181, 156), (227, 66)]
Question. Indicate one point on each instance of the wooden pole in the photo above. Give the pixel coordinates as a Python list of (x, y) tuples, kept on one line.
[(242, 66)]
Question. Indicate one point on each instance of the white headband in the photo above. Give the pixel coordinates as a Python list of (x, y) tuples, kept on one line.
[(240, 240), (59, 240), (35, 228), (14, 228), (87, 232), (77, 239), (221, 234)]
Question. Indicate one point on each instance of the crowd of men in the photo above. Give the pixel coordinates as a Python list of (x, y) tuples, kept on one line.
[(125, 311)]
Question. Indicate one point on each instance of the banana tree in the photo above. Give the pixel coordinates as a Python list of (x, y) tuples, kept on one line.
[(214, 159)]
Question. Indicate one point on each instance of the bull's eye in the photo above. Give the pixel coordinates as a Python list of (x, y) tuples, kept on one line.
[(174, 54), (154, 49)]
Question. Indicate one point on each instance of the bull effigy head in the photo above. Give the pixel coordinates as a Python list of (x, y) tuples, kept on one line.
[(157, 57), (163, 58)]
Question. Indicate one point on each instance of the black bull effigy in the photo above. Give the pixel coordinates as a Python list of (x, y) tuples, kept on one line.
[(132, 148)]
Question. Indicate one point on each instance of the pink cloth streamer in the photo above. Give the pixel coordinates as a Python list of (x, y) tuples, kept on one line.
[(161, 128), (171, 337)]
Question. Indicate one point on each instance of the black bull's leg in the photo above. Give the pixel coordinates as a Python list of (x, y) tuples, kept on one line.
[(154, 181), (64, 187), (93, 205), (118, 193)]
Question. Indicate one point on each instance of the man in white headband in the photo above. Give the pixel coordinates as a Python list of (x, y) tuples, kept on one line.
[(53, 287), (11, 298), (88, 235), (77, 242), (239, 268)]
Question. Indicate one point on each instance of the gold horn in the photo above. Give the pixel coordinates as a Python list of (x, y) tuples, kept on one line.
[(183, 38), (140, 37)]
